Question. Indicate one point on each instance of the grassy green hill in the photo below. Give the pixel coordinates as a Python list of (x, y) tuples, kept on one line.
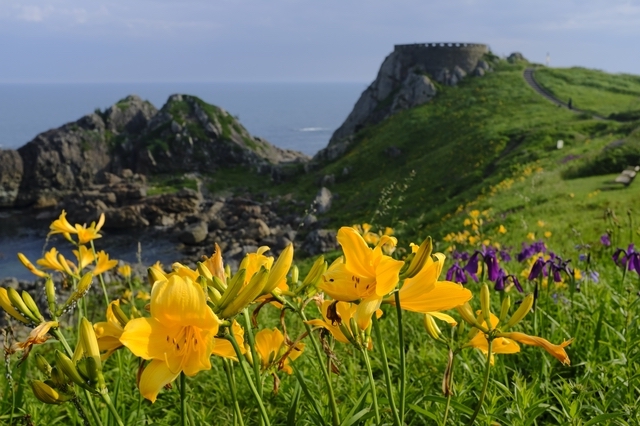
[(470, 139), (593, 90)]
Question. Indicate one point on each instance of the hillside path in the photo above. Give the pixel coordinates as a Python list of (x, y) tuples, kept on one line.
[(531, 81)]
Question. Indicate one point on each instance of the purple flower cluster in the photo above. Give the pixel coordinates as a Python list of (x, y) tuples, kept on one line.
[(628, 258), (553, 266), (528, 251), (495, 273), (605, 240)]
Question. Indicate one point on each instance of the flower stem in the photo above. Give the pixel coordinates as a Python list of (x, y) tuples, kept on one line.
[(335, 415), (183, 399), (58, 335), (76, 403), (403, 360), (485, 384), (385, 369), (450, 389), (254, 354), (247, 376), (112, 409), (102, 283), (372, 384), (228, 369), (305, 389)]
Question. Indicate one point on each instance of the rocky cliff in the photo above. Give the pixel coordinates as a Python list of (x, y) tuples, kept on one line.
[(185, 135), (405, 80)]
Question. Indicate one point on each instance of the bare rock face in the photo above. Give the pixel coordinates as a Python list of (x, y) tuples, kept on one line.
[(403, 81), (415, 90), (11, 170), (132, 136), (63, 159), (189, 135)]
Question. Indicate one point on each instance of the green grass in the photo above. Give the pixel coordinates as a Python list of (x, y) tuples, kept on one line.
[(168, 184), (592, 90)]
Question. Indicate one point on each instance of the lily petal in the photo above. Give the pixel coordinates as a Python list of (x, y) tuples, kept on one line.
[(182, 302), (444, 295), (154, 377), (365, 310), (556, 350)]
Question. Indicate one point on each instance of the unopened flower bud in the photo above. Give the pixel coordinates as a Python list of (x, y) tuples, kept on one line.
[(6, 304), (69, 369), (47, 394), (43, 365), (485, 305), (19, 304), (50, 290), (122, 318), (467, 314), (419, 259), (318, 268), (432, 328), (81, 290), (295, 274), (154, 275), (521, 312), (31, 305), (280, 269), (504, 309), (204, 271)]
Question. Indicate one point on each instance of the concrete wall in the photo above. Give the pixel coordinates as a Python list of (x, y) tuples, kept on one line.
[(435, 56)]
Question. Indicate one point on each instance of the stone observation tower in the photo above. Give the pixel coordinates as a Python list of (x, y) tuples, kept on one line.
[(404, 81)]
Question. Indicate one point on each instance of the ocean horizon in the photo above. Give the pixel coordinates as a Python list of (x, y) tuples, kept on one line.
[(296, 115)]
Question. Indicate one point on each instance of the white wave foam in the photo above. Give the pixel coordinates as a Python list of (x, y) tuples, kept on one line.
[(312, 129)]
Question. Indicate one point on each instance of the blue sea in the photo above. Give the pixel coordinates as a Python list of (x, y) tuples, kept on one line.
[(300, 116)]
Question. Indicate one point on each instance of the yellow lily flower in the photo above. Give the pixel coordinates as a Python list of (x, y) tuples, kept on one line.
[(108, 332), (223, 348), (62, 226), (125, 271), (271, 348), (86, 235), (51, 260), (27, 264), (179, 336), (366, 274), (214, 264), (103, 263), (85, 256), (37, 336), (252, 263), (500, 345), (425, 294), (505, 343)]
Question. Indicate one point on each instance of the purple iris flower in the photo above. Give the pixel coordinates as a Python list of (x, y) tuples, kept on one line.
[(529, 251), (629, 258), (456, 274), (594, 276), (605, 239), (537, 269), (582, 257), (503, 279), (493, 269), (462, 256), (472, 266), (505, 256)]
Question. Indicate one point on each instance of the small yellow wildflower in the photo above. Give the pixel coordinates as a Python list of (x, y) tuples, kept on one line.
[(531, 236), (502, 229)]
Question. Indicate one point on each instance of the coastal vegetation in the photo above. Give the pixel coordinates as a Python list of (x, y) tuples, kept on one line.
[(520, 241)]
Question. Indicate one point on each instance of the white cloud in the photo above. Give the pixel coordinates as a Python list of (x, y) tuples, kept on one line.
[(34, 13)]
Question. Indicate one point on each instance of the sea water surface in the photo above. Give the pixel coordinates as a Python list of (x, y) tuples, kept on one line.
[(300, 116)]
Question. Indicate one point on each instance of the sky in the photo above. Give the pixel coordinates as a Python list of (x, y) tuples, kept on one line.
[(86, 41)]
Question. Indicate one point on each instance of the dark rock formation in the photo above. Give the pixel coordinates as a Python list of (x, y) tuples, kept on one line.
[(11, 170), (186, 135)]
